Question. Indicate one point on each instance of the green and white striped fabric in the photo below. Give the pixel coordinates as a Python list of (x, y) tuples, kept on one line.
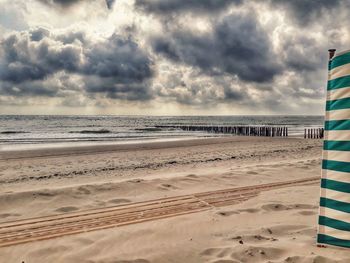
[(334, 219)]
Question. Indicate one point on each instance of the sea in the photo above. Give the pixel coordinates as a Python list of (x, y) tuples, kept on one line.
[(57, 130)]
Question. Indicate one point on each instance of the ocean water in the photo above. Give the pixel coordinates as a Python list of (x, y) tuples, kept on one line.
[(25, 129)]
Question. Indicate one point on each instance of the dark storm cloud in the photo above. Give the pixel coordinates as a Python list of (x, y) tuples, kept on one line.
[(174, 6), (23, 58), (38, 34), (33, 89), (233, 95), (111, 88), (118, 57), (306, 11), (237, 46), (72, 36), (62, 3), (117, 64), (303, 53), (69, 3), (110, 3)]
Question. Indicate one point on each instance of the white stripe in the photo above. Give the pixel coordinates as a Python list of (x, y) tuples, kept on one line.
[(335, 214), (338, 93), (337, 135), (333, 115), (334, 232), (341, 53), (341, 156), (340, 71), (336, 176), (335, 195)]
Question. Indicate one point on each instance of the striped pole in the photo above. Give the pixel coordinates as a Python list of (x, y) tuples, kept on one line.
[(334, 216)]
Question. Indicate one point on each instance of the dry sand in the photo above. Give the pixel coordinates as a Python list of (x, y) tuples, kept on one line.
[(276, 226)]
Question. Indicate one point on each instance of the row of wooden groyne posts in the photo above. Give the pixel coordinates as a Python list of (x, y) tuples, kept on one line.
[(314, 133), (267, 131)]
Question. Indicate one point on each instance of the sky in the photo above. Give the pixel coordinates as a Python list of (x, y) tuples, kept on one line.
[(168, 57)]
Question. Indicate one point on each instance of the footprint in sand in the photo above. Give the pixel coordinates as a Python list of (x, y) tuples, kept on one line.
[(274, 207), (305, 206), (85, 241), (227, 213), (251, 239), (243, 253), (135, 181), (307, 213), (214, 251), (252, 254), (316, 259), (119, 201), (167, 187), (283, 230), (46, 194), (249, 210), (66, 209), (130, 261), (280, 207), (225, 261), (252, 172)]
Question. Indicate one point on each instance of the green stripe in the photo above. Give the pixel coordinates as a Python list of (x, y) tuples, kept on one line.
[(334, 223), (329, 65), (336, 145), (339, 104), (338, 83), (337, 125), (334, 204), (336, 166), (335, 185), (324, 239), (340, 60)]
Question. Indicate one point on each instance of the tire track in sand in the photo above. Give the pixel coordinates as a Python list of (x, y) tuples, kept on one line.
[(41, 228)]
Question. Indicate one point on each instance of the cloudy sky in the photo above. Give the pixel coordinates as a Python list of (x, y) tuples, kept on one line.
[(168, 57)]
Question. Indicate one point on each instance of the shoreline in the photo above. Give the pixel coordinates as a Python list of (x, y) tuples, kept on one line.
[(16, 147), (16, 151)]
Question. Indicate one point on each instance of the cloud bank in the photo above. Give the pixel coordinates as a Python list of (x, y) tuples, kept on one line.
[(114, 65), (171, 57)]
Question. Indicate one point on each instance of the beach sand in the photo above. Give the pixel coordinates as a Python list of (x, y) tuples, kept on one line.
[(274, 226)]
